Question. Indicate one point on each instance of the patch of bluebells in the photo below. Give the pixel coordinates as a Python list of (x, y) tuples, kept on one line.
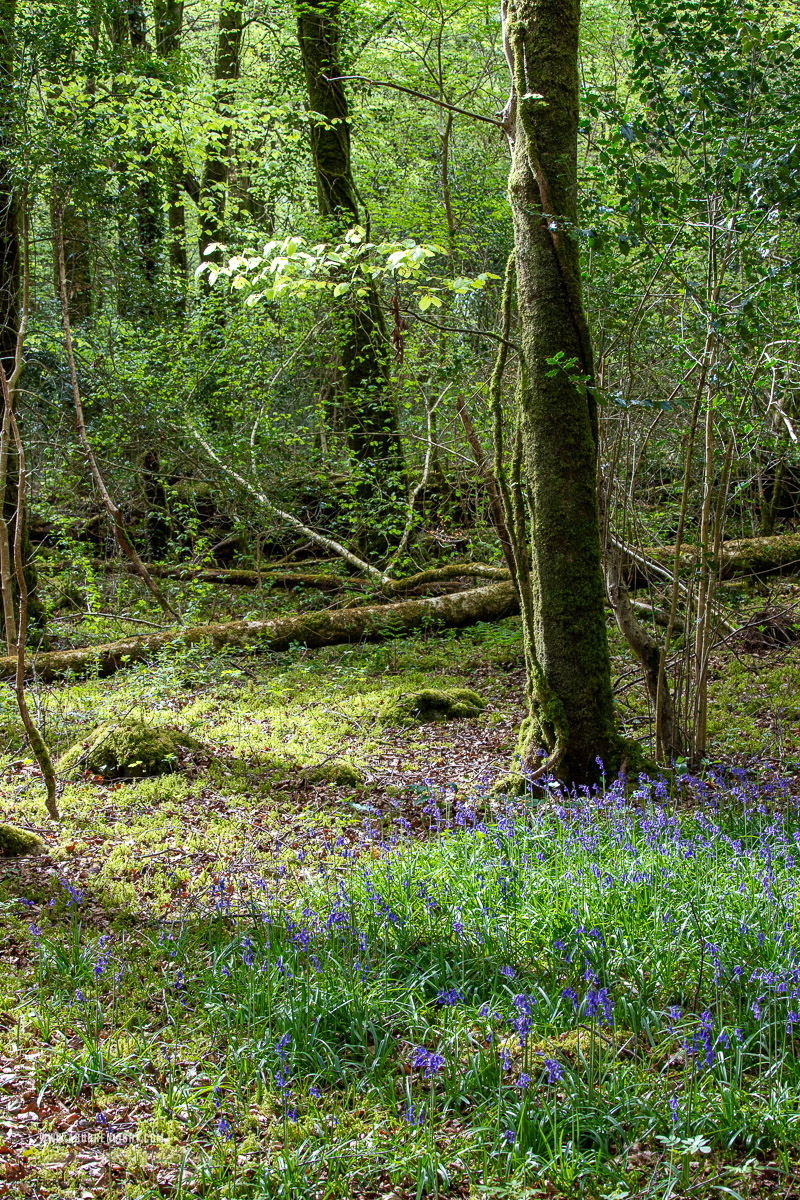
[(608, 854), (104, 956), (554, 1070)]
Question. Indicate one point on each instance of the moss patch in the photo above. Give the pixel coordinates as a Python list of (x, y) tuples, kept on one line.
[(432, 704), (16, 842), (341, 772), (128, 748)]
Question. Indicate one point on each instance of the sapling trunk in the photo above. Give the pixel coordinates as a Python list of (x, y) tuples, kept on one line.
[(37, 742)]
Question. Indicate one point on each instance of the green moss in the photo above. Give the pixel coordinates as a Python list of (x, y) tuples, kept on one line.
[(130, 747), (431, 704), (16, 842), (340, 772)]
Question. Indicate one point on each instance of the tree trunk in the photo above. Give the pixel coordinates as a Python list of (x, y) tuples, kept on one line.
[(10, 271), (168, 16), (140, 229), (268, 578), (214, 186), (309, 629), (649, 653), (148, 191), (571, 703), (12, 504), (369, 410), (113, 510)]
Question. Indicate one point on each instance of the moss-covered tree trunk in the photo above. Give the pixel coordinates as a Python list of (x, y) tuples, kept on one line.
[(571, 705), (140, 226), (369, 409), (13, 506)]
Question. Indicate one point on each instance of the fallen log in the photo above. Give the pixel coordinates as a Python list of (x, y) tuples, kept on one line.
[(240, 577), (308, 629), (245, 577), (328, 583), (742, 556), (396, 587)]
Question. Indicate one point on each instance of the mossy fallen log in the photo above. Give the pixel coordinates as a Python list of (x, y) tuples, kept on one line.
[(396, 587), (741, 556), (308, 629), (245, 577)]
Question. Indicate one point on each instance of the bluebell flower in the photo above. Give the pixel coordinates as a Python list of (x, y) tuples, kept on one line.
[(554, 1070), (599, 1001)]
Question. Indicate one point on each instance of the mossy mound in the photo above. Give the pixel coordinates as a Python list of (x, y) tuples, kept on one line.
[(16, 842), (128, 748), (432, 704), (341, 772)]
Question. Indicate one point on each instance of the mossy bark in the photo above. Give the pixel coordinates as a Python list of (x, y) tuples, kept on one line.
[(244, 577), (369, 409), (570, 694), (310, 629), (78, 264), (741, 556)]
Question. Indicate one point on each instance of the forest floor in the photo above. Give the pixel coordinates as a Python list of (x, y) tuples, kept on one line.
[(316, 959)]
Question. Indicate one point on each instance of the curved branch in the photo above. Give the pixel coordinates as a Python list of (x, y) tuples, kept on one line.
[(399, 87)]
